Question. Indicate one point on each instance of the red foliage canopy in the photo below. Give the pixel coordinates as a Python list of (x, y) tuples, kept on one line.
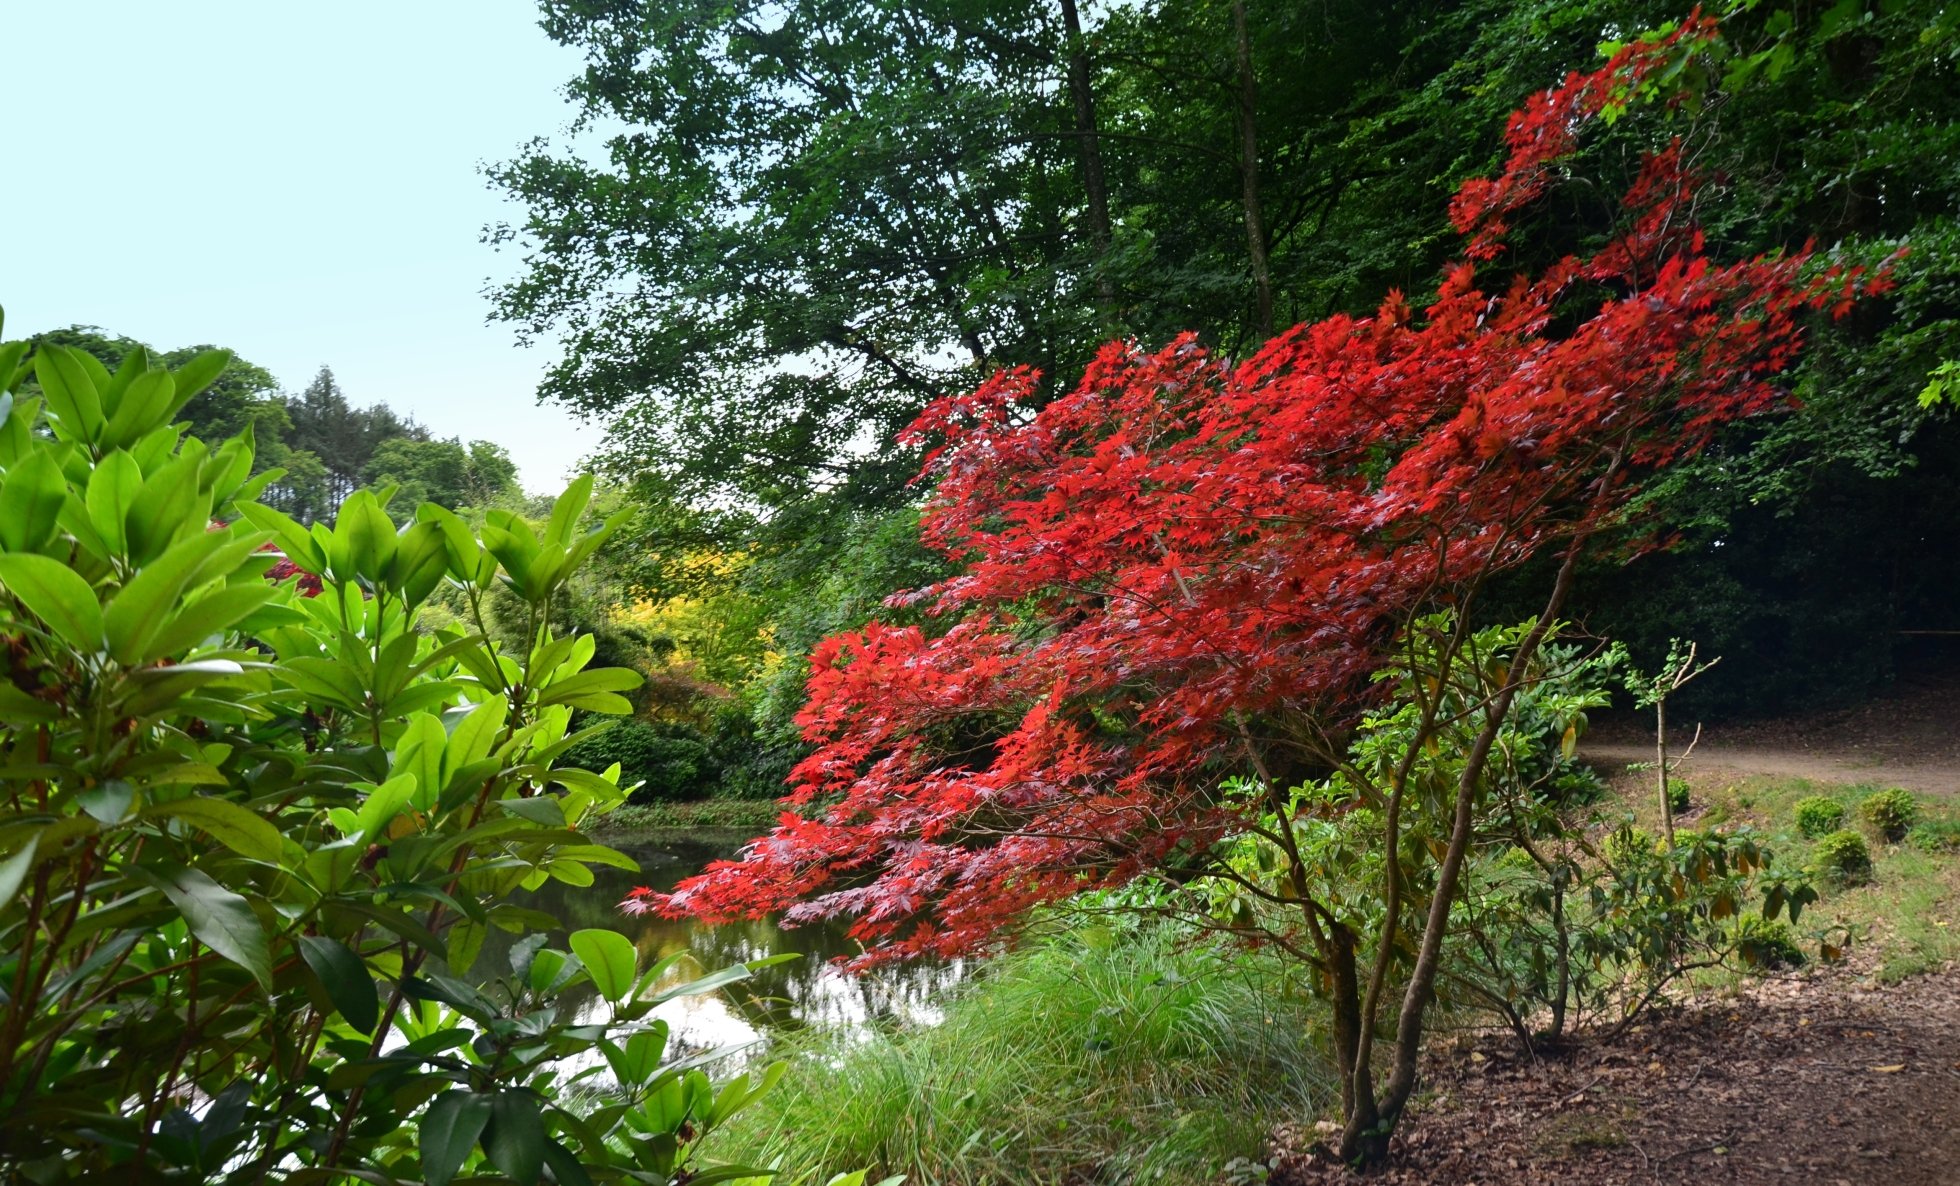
[(1183, 545)]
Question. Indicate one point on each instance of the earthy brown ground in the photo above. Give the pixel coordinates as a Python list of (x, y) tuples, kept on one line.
[(1812, 1080), (1821, 1078)]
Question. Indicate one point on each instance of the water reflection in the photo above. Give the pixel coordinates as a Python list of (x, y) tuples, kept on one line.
[(804, 992)]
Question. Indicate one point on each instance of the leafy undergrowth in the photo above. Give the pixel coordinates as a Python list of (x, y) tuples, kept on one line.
[(1901, 922), (758, 814), (1110, 1056)]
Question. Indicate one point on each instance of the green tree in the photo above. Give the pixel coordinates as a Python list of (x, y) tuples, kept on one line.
[(445, 472)]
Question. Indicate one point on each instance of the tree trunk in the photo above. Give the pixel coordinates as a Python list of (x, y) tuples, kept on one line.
[(1660, 765), (1095, 187), (1368, 1144), (1255, 226)]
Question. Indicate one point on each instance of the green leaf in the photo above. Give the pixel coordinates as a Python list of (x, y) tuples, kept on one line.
[(32, 494), (384, 803), (243, 832), (539, 810), (465, 944), (73, 400), (599, 679), (609, 957), (57, 595), (419, 752), (194, 376), (145, 406), (111, 493), (14, 870), (474, 737), (16, 705), (222, 920), (346, 979), (448, 1132), (165, 507), (294, 542), (564, 1166), (515, 1139), (566, 510), (209, 615), (109, 802), (148, 602), (365, 533)]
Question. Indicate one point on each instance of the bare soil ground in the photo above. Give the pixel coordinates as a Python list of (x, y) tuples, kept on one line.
[(1807, 1080), (1824, 1077), (1908, 738)]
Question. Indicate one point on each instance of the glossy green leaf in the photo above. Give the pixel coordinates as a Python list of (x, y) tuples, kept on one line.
[(112, 491), (166, 507), (14, 870), (293, 540), (210, 615), (194, 376), (145, 404), (565, 511), (609, 958), (244, 832), (149, 601), (221, 919), (515, 1137), (57, 595), (73, 401), (449, 1130), (349, 984), (31, 495)]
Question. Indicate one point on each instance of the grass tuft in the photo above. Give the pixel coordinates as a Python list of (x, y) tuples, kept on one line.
[(1132, 1055)]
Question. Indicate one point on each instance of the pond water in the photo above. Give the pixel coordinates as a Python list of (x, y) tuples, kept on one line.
[(808, 991)]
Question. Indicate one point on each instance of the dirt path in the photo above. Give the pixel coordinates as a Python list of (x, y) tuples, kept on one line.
[(1909, 738)]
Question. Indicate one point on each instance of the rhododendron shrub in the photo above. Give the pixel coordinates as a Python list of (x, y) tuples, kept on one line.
[(1190, 568)]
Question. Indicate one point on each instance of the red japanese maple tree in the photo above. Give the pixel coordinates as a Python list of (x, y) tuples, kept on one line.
[(1188, 556)]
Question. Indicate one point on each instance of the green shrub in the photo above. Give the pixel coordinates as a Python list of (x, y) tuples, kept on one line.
[(1890, 813), (1935, 836), (1843, 858), (662, 762), (1677, 795), (1629, 845), (1817, 816), (253, 832), (1767, 944)]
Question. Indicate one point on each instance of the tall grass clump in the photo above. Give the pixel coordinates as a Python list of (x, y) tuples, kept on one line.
[(1141, 1054)]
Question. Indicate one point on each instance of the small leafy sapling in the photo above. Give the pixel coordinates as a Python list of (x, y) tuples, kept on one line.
[(1843, 858), (1890, 813), (1653, 691), (1819, 816)]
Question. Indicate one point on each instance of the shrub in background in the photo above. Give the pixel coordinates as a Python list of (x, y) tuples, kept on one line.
[(659, 761), (1766, 944), (1818, 816), (1890, 813), (1842, 857), (1677, 795)]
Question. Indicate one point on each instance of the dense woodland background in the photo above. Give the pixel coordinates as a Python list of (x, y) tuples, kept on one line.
[(806, 220)]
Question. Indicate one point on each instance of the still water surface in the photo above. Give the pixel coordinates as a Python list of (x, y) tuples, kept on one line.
[(805, 992)]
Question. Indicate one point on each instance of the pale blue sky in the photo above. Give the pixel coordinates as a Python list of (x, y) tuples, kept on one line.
[(297, 182)]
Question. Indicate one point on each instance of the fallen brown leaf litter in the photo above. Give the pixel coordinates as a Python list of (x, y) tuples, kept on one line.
[(1822, 1079)]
